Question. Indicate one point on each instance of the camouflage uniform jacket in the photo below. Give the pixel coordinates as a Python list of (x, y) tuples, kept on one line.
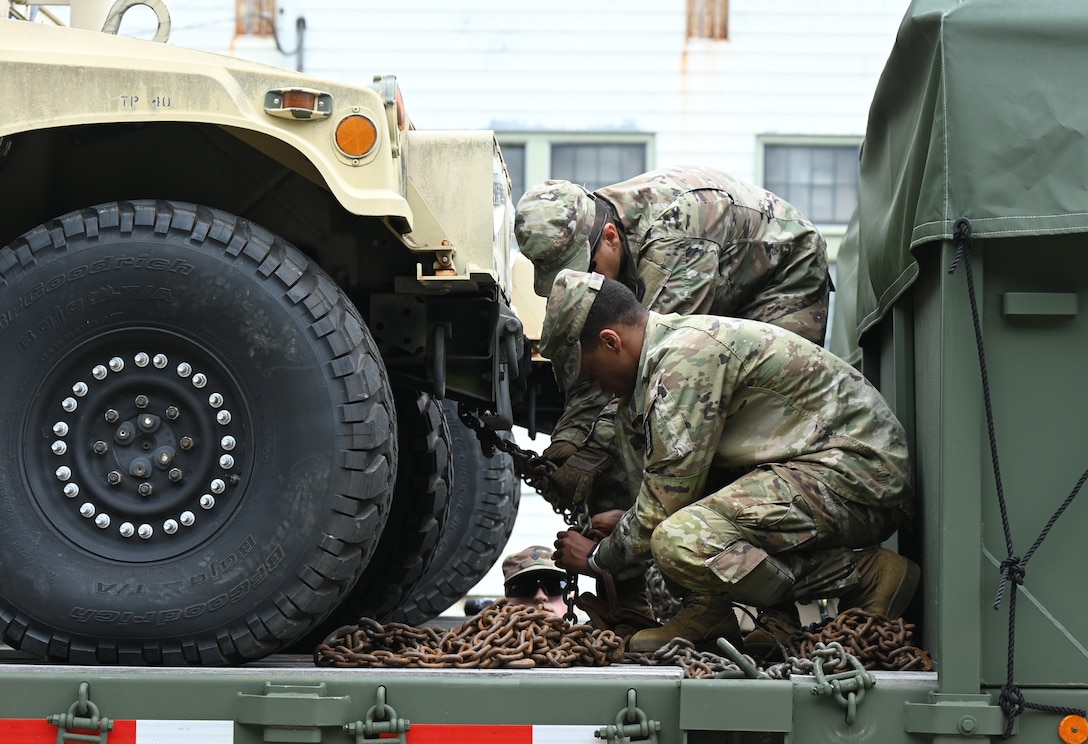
[(732, 395), (700, 241)]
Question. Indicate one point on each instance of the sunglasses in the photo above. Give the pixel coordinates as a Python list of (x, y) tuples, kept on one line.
[(526, 586)]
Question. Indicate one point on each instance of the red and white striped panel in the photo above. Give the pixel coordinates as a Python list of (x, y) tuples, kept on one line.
[(434, 733), (37, 731)]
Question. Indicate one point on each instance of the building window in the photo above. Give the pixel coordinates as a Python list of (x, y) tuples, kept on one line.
[(821, 180), (597, 164), (514, 157), (708, 19), (255, 17), (587, 158)]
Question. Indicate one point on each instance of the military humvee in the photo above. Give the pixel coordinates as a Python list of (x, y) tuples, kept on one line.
[(240, 310)]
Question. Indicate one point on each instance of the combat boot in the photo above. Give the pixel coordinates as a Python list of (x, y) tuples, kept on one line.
[(774, 625), (620, 605), (888, 581), (701, 620)]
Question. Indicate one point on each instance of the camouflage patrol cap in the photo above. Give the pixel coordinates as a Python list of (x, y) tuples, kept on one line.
[(533, 558), (552, 223), (571, 297)]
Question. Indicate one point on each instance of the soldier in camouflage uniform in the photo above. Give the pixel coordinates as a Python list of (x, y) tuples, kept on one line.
[(684, 240), (766, 461)]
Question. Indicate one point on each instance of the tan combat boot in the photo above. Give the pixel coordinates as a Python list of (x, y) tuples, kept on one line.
[(774, 625), (888, 581), (702, 620)]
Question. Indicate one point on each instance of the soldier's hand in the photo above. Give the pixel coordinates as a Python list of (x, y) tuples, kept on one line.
[(559, 451), (572, 549), (606, 521), (570, 485)]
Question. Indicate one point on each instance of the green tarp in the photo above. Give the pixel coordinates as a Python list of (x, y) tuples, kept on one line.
[(980, 112)]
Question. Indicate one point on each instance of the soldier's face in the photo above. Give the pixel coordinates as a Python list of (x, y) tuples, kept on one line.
[(608, 256), (610, 368)]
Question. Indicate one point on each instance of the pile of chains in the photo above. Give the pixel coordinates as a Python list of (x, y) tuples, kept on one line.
[(505, 635), (877, 642)]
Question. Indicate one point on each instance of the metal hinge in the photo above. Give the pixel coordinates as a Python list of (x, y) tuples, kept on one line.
[(956, 715)]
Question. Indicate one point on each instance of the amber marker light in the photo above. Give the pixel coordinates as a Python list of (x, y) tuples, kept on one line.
[(356, 135), (300, 104), (299, 99)]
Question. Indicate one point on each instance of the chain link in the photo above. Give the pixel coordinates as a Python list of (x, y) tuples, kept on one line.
[(533, 469)]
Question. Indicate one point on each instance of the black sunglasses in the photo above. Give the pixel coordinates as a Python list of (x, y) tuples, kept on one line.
[(526, 586)]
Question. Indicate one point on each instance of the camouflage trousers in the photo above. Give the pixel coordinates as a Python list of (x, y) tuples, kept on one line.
[(775, 534)]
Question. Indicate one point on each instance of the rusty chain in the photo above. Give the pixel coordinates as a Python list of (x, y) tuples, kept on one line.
[(533, 469), (878, 642), (506, 635)]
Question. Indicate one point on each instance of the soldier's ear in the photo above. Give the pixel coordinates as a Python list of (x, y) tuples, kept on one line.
[(610, 339)]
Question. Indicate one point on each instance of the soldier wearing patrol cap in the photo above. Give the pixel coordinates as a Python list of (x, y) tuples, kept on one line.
[(770, 469), (684, 240), (531, 577)]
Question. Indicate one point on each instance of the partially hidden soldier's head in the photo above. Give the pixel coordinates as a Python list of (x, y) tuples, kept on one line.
[(571, 297), (530, 576), (553, 225), (531, 560)]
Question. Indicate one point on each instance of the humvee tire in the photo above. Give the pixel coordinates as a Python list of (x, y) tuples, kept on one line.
[(485, 501), (199, 444), (420, 508)]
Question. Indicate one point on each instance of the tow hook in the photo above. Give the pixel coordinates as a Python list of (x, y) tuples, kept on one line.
[(631, 725), (848, 688), (82, 716)]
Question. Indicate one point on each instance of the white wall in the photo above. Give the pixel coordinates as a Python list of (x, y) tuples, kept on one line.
[(790, 66)]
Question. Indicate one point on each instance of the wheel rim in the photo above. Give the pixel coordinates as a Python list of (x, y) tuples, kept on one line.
[(136, 445)]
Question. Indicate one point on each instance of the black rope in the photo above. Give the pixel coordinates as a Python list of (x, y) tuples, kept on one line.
[(1013, 568)]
